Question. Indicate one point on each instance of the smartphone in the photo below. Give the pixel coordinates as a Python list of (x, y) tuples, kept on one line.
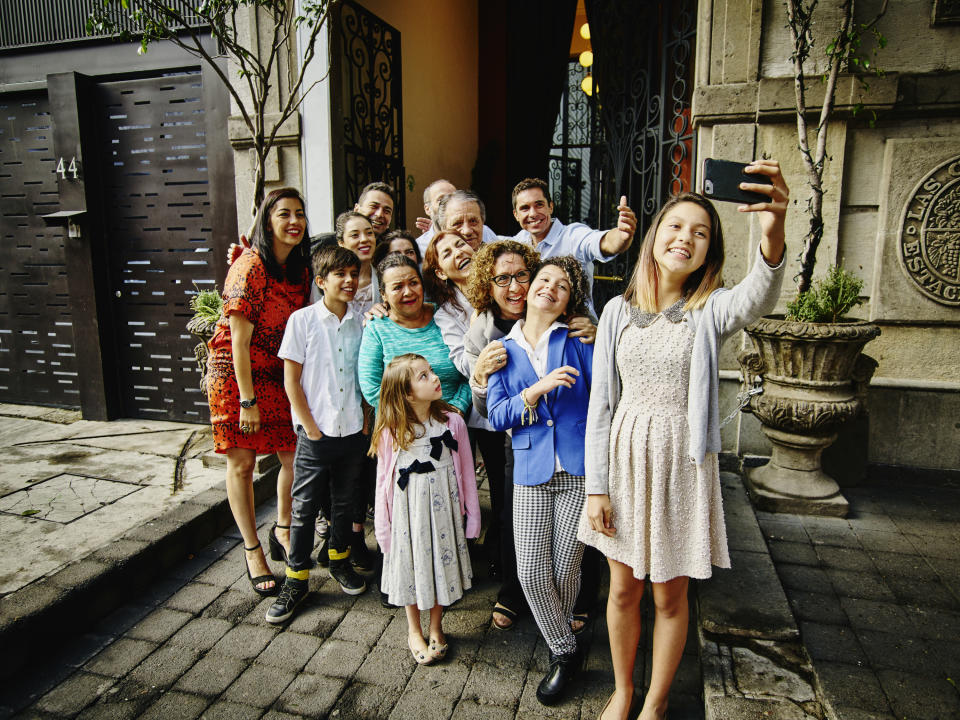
[(722, 178)]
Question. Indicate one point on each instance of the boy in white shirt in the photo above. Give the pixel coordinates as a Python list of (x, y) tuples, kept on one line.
[(319, 350)]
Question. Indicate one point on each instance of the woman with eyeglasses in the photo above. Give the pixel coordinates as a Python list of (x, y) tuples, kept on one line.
[(497, 290)]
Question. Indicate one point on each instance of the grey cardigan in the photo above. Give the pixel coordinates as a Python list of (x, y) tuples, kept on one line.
[(724, 313), (482, 332)]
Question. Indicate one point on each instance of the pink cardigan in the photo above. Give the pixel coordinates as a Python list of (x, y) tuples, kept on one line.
[(466, 482)]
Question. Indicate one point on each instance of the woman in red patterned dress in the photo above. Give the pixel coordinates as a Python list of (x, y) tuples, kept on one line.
[(249, 409)]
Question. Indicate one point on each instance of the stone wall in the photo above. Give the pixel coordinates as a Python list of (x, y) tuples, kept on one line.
[(892, 208)]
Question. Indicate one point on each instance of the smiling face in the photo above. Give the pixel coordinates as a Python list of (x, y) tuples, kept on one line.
[(340, 285), (378, 206), (682, 240), (533, 212), (424, 384), (358, 236), (403, 293), (287, 224), (465, 218), (454, 257), (437, 191), (404, 247), (512, 298), (549, 292)]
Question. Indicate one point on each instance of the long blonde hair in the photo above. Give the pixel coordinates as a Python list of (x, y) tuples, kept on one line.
[(395, 414), (645, 281)]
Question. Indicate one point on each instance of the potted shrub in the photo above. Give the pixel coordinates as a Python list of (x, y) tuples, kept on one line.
[(811, 362), (207, 306)]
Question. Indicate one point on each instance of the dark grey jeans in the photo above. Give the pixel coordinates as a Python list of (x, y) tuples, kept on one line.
[(325, 477)]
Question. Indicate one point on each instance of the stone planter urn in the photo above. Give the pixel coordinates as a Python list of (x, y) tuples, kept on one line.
[(815, 377), (204, 330)]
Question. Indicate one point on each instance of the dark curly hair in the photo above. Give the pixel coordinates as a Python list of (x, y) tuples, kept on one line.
[(298, 261), (481, 272), (579, 289)]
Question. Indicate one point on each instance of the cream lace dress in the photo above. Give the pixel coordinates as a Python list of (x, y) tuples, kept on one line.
[(668, 512)]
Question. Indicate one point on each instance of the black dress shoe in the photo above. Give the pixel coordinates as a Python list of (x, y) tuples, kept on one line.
[(562, 669)]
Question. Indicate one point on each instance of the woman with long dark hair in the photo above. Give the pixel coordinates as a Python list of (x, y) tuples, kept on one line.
[(249, 409)]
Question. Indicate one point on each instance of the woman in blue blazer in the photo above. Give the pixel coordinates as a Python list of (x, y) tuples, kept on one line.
[(541, 395)]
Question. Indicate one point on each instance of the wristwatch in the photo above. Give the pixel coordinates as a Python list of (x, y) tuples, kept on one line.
[(248, 403)]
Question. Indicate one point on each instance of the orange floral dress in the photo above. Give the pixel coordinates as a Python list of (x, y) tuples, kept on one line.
[(267, 303)]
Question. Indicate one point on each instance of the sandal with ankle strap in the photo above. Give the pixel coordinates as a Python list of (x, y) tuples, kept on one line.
[(277, 551), (506, 612), (260, 580)]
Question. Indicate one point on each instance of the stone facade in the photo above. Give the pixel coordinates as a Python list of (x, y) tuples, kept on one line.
[(891, 210)]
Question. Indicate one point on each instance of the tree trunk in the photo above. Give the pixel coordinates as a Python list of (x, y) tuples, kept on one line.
[(808, 256)]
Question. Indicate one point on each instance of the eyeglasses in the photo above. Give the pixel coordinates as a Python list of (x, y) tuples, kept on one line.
[(522, 277)]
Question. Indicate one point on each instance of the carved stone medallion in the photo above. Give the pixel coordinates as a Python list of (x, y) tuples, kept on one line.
[(930, 235)]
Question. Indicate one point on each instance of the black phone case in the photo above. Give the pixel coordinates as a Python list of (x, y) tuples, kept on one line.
[(722, 178)]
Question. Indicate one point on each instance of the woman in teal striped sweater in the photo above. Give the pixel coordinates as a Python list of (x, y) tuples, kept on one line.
[(408, 328)]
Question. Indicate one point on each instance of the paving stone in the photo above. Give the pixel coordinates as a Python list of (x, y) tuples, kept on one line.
[(802, 577), (470, 710), (851, 686), (244, 642), (898, 651), (211, 675), (775, 528), (224, 572), (872, 615), (446, 678), (934, 547), (850, 713), (506, 649), (259, 685), (121, 619), (853, 584), (160, 591), (871, 522), (226, 710), (176, 705), (415, 705), (757, 675), (232, 606), (362, 627), (337, 658), (129, 698), (819, 607), (74, 694), (830, 531), (312, 696), (200, 633), (159, 625), (318, 620), (77, 651), (120, 657), (193, 597), (165, 666), (873, 540), (906, 565), (919, 593), (835, 643), (921, 697), (566, 709), (290, 651), (730, 708), (192, 565), (844, 558), (798, 553), (277, 715), (386, 666), (396, 633), (946, 568), (112, 711), (366, 702), (934, 624), (492, 685)]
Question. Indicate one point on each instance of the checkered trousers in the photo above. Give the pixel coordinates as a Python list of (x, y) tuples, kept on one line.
[(545, 519)]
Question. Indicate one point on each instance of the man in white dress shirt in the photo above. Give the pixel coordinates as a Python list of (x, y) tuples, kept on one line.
[(533, 209), (434, 192)]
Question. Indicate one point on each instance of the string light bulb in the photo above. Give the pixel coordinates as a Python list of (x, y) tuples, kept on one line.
[(586, 58), (587, 84), (585, 31)]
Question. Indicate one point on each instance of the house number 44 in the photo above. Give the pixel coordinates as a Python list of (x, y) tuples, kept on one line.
[(64, 169)]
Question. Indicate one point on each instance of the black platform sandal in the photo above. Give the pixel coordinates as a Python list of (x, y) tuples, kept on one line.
[(277, 551), (254, 581)]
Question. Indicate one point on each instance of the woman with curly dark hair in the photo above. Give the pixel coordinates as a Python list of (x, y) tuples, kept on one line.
[(249, 408), (542, 396)]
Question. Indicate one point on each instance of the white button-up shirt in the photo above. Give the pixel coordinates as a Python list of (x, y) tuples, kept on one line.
[(575, 239), (327, 348)]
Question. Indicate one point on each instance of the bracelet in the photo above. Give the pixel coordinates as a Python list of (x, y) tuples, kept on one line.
[(528, 415)]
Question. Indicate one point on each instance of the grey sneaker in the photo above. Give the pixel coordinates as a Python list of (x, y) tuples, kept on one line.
[(350, 582), (291, 595)]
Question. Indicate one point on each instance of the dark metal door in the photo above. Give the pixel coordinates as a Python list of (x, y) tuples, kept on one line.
[(367, 108), (156, 219), (37, 358)]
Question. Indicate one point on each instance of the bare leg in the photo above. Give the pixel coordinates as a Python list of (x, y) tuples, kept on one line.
[(623, 627), (240, 464), (415, 630), (284, 499), (436, 624), (669, 637)]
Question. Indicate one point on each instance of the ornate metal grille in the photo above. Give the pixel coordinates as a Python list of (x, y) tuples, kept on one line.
[(367, 105), (156, 217), (643, 76), (38, 364)]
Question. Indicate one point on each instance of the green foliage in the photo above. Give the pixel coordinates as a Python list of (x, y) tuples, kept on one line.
[(207, 305), (830, 298)]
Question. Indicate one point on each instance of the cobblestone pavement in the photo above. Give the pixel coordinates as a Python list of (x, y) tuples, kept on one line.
[(196, 645), (877, 599)]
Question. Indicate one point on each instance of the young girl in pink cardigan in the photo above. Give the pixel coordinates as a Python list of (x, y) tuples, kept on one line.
[(425, 487)]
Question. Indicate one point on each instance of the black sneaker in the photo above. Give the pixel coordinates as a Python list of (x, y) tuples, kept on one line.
[(343, 573), (361, 558), (291, 594), (323, 557)]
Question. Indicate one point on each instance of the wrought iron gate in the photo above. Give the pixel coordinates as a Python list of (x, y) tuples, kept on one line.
[(367, 124), (157, 225), (643, 76), (38, 364)]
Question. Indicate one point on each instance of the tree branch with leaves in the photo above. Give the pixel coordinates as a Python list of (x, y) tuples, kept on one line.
[(185, 22)]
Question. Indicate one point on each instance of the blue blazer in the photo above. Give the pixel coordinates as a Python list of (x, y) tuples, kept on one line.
[(561, 414)]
